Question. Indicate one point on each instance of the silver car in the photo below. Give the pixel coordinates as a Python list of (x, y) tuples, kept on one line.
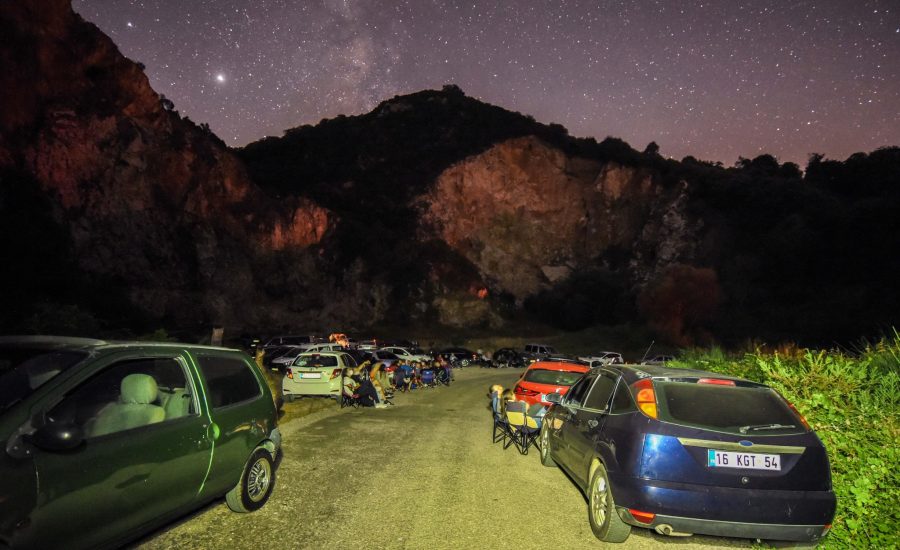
[(316, 373)]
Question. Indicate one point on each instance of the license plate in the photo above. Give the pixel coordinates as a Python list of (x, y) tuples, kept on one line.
[(310, 375), (744, 461)]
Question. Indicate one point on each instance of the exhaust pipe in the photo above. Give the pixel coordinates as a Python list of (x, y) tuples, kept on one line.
[(666, 529)]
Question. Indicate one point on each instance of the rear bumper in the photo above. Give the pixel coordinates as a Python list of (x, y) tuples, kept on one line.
[(310, 389), (727, 511), (771, 531)]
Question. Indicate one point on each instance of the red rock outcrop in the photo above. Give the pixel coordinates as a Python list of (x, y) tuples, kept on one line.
[(528, 215), (151, 198)]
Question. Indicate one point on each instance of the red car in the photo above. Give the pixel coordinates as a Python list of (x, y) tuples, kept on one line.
[(545, 377)]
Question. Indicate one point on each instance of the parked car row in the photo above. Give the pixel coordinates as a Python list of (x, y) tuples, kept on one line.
[(681, 451)]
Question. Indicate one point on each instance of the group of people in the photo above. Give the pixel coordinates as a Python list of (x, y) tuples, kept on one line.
[(371, 386)]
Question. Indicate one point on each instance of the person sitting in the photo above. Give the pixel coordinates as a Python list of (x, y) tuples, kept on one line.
[(368, 397), (397, 379), (348, 384), (505, 397)]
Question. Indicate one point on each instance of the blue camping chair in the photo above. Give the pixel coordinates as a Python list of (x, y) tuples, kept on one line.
[(428, 377)]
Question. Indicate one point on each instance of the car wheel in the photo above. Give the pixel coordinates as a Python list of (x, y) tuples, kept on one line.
[(546, 459), (256, 484), (605, 522), (288, 398)]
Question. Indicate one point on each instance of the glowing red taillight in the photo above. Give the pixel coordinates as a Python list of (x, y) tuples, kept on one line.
[(645, 397), (716, 381), (334, 374)]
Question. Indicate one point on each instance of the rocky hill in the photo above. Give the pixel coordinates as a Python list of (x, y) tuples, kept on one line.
[(151, 207), (118, 215)]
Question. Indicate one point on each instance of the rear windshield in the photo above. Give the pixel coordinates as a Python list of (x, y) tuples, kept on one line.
[(734, 409), (552, 377), (316, 361)]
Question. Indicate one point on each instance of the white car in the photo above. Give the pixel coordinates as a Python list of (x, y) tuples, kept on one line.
[(409, 355), (603, 358), (282, 362), (316, 373)]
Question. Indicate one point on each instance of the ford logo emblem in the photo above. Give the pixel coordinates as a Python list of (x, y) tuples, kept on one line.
[(745, 443)]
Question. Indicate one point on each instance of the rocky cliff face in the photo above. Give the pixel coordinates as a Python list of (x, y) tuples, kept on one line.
[(528, 216), (436, 202), (151, 200)]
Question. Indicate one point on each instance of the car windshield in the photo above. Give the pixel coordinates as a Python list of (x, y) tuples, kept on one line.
[(22, 371), (734, 409), (316, 361), (552, 377)]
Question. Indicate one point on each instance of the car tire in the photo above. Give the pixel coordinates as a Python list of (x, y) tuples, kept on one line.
[(256, 484), (289, 398), (546, 459), (605, 522)]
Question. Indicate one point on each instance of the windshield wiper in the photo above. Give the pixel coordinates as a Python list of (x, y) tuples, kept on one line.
[(762, 427)]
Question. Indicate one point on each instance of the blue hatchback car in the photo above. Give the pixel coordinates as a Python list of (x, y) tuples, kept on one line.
[(685, 451)]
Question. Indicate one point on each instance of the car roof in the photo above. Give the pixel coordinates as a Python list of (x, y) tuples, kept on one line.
[(632, 373), (73, 343)]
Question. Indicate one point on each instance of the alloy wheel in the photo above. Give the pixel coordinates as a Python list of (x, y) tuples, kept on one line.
[(258, 479), (599, 500)]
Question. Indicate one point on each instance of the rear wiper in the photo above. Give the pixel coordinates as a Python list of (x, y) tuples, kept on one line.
[(761, 427)]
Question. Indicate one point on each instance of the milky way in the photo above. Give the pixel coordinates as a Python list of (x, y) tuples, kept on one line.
[(712, 79)]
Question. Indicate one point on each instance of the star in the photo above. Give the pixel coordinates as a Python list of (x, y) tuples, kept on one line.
[(220, 78)]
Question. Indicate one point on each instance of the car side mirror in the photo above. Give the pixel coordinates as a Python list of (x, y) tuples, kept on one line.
[(553, 398), (55, 437)]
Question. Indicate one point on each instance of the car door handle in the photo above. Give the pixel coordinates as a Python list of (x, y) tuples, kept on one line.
[(592, 423)]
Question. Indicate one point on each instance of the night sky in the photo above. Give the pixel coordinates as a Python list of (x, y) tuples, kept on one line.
[(713, 79)]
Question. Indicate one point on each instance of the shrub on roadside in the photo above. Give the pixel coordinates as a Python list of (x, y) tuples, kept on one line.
[(852, 403)]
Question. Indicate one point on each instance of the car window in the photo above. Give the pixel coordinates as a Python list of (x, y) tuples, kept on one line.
[(127, 395), (575, 395), (316, 361), (349, 361), (726, 408), (22, 371), (230, 380), (552, 377), (598, 399), (622, 401)]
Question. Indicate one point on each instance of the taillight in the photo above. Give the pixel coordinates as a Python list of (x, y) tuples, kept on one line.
[(645, 397), (642, 517), (334, 374), (716, 381), (800, 416), (290, 373)]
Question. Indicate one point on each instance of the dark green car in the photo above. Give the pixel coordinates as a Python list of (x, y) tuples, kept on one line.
[(105, 441)]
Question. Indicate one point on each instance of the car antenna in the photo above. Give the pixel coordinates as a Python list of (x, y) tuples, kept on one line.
[(648, 350)]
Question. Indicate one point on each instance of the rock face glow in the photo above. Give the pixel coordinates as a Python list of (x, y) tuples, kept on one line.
[(528, 215)]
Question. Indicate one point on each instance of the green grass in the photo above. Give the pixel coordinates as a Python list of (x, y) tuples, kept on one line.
[(852, 403)]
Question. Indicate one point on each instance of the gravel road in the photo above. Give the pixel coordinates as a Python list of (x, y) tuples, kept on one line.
[(421, 474)]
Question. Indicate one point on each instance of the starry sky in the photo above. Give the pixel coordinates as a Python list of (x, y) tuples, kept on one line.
[(716, 79)]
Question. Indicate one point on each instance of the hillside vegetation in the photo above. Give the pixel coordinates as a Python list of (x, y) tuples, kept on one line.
[(852, 401)]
